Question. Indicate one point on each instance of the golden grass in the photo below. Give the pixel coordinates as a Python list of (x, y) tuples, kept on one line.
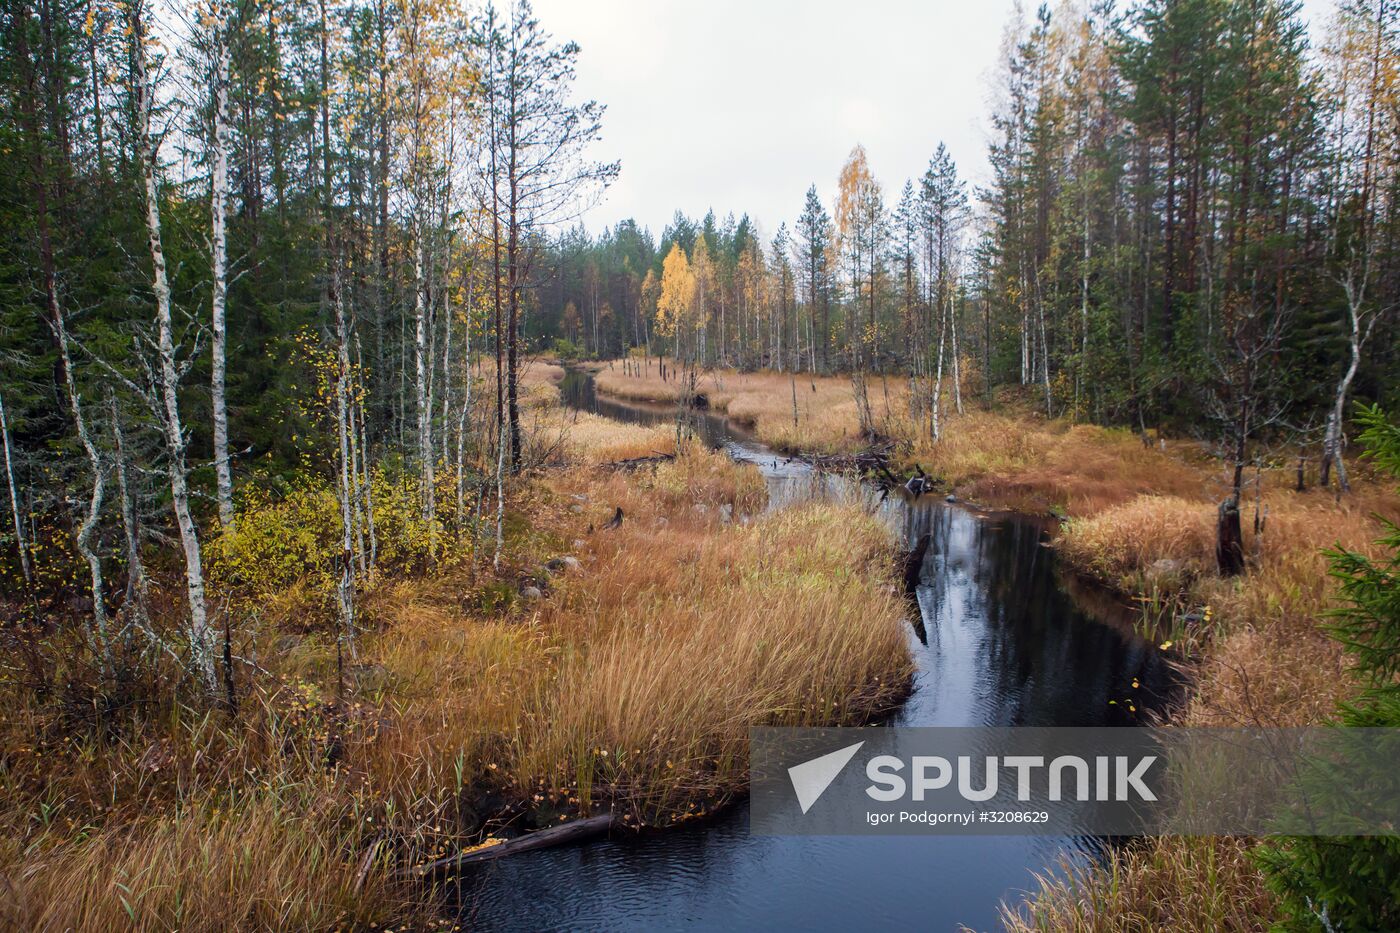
[(1143, 523), (695, 637), (827, 420), (631, 684), (593, 439), (1166, 884), (211, 865), (1016, 461)]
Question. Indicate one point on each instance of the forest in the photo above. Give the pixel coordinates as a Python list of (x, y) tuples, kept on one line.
[(304, 539), (1183, 194)]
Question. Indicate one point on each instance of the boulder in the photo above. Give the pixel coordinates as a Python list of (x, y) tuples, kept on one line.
[(566, 564)]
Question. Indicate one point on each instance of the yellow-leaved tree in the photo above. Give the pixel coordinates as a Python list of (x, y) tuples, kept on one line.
[(673, 307)]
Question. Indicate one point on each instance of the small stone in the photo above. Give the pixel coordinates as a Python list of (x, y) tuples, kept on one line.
[(726, 513), (566, 564), (531, 593), (951, 498), (576, 508), (578, 544)]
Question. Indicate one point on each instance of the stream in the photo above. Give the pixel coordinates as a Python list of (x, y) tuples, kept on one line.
[(1006, 643)]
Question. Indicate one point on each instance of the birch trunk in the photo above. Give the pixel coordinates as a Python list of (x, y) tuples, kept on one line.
[(420, 359), (466, 410), (936, 410), (137, 593), (446, 374), (94, 512), (347, 466), (1332, 442), (218, 202), (20, 543), (957, 359), (201, 646)]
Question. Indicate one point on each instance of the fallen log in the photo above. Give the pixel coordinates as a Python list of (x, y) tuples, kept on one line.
[(633, 463), (540, 839), (871, 460)]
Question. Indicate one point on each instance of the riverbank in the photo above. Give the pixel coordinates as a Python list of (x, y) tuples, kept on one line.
[(1140, 520), (612, 660)]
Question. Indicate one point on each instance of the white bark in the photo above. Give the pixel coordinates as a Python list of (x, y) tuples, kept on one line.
[(347, 467), (936, 411), (957, 361), (462, 418), (20, 543), (218, 242), (446, 373), (201, 644), (1356, 338), (94, 512), (137, 593), (420, 358)]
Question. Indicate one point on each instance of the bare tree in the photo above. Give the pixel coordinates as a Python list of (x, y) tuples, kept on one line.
[(538, 173), (1244, 399)]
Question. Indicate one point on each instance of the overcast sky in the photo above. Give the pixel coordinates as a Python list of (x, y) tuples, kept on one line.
[(740, 105)]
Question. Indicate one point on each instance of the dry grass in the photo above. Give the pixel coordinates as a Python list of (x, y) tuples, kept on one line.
[(632, 683), (215, 865), (593, 439), (695, 634), (1143, 524), (1015, 461), (1159, 886), (827, 419), (1027, 463), (1261, 659)]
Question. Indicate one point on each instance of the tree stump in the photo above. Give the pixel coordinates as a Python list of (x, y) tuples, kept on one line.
[(1229, 540)]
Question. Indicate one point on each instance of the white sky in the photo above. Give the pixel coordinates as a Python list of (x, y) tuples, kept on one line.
[(740, 106)]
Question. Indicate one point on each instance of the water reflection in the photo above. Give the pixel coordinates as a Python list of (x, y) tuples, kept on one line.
[(1006, 646)]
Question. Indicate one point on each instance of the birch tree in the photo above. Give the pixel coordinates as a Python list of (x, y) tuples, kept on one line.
[(168, 372), (20, 544), (1361, 62), (219, 18)]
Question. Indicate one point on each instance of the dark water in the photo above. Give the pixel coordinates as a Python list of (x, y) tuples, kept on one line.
[(1006, 646)]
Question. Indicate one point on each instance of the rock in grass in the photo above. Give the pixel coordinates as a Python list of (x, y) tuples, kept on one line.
[(531, 593), (568, 563)]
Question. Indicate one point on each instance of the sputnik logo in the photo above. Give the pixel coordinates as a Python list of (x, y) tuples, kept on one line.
[(811, 778)]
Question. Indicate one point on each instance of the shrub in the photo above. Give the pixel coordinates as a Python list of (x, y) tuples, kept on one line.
[(289, 541), (565, 349)]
